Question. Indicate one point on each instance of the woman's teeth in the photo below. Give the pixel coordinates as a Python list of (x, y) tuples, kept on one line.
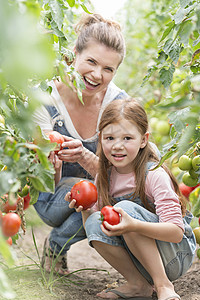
[(91, 82)]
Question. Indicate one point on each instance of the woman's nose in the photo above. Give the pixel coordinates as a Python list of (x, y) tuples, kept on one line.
[(97, 73)]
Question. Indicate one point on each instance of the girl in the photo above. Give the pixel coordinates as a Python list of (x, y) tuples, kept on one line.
[(99, 50), (153, 244)]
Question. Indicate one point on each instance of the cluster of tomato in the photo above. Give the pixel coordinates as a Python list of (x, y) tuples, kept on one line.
[(10, 221), (191, 166)]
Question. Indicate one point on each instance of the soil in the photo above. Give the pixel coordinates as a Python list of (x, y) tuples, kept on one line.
[(85, 284)]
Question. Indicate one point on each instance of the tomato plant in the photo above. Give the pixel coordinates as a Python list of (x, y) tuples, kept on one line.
[(185, 163), (109, 215), (11, 223), (56, 137), (85, 193), (197, 234)]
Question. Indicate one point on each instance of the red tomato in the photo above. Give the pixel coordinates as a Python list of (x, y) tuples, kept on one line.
[(109, 215), (56, 137), (26, 201), (11, 223), (7, 206), (85, 193), (9, 241), (185, 190)]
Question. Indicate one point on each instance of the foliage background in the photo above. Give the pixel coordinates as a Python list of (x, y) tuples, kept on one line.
[(161, 69)]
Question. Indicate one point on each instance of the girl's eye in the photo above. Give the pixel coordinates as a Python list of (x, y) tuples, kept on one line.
[(110, 138), (127, 138)]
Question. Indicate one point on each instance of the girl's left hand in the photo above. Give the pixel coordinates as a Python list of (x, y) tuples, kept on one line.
[(72, 202), (126, 224)]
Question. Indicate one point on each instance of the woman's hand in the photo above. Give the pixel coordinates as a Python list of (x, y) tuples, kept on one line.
[(126, 224), (73, 151), (57, 163)]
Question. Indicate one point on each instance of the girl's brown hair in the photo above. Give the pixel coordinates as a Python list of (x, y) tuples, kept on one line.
[(102, 30), (131, 110)]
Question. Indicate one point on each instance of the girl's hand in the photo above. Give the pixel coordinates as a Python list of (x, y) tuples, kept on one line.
[(73, 152), (57, 163), (72, 203), (126, 224)]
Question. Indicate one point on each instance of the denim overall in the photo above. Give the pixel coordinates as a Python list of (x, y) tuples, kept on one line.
[(52, 208), (177, 257)]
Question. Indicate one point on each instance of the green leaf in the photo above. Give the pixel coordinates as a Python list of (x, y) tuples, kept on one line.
[(57, 12), (173, 49), (71, 2), (85, 8), (170, 26), (5, 287), (185, 32), (166, 76), (7, 179), (184, 3), (182, 13)]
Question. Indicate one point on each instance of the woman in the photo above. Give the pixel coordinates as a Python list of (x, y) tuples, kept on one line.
[(99, 50)]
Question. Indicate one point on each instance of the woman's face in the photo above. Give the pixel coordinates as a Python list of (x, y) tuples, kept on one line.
[(97, 65)]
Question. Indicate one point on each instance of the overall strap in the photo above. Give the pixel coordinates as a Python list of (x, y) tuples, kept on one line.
[(52, 110), (121, 95)]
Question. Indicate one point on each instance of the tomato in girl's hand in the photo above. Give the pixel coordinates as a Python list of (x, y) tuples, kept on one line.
[(109, 215), (56, 137), (85, 194)]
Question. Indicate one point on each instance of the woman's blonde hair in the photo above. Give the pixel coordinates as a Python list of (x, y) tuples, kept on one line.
[(131, 110), (104, 31)]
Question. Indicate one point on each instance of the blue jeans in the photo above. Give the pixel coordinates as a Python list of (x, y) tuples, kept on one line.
[(55, 212), (177, 257)]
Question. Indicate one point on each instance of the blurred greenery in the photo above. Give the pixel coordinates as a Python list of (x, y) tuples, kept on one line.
[(161, 69)]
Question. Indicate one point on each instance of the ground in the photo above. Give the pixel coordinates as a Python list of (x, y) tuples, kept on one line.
[(83, 285)]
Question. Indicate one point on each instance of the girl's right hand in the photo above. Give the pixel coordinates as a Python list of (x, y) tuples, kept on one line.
[(72, 202)]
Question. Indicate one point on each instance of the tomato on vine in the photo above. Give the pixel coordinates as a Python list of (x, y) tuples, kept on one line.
[(11, 223), (56, 137)]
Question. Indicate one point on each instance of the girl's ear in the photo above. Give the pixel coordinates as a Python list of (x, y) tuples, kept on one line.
[(144, 140)]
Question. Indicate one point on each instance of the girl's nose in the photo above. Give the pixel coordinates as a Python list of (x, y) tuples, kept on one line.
[(118, 145)]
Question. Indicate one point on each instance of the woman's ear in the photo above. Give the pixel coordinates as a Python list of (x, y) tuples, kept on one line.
[(144, 140)]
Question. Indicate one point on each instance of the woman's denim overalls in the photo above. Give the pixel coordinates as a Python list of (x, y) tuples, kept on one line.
[(52, 208), (177, 257)]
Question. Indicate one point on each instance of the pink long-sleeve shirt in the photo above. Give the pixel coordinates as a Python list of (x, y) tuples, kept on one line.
[(159, 189)]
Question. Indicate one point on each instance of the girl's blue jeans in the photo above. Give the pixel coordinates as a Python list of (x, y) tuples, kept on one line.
[(55, 212), (177, 257)]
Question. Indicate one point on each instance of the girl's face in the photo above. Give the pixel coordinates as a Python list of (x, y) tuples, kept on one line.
[(97, 65), (121, 143)]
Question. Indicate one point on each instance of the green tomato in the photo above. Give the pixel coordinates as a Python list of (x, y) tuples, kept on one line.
[(153, 123), (188, 180), (193, 174), (2, 120), (185, 163), (196, 162), (163, 127)]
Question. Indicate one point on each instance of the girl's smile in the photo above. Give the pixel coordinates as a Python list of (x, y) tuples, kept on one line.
[(121, 143)]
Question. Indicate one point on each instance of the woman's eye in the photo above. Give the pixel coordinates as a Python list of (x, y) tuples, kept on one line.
[(91, 61), (109, 69)]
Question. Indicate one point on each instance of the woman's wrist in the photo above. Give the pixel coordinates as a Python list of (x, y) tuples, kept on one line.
[(89, 161)]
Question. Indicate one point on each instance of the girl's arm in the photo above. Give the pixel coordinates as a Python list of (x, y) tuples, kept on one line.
[(167, 232)]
